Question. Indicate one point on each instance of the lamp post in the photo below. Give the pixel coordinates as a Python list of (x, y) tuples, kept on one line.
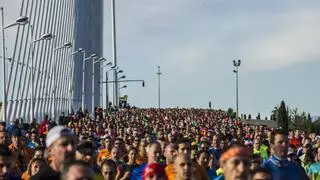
[(122, 87), (107, 86), (114, 52), (83, 75), (119, 78), (65, 45), (72, 81), (47, 36), (101, 79), (159, 73), (236, 64), (93, 84), (19, 21)]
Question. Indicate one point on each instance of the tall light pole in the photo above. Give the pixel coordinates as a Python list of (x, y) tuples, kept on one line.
[(93, 83), (236, 64), (48, 36), (101, 79), (107, 86), (114, 53), (72, 83), (122, 87), (65, 45), (159, 73), (83, 75), (20, 21)]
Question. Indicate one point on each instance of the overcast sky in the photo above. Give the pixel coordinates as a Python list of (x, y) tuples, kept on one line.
[(195, 41)]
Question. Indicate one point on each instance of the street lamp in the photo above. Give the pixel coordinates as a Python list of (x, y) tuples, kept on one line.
[(122, 77), (108, 64), (93, 84), (125, 86), (236, 64), (72, 85), (19, 21), (107, 84), (47, 36), (54, 99), (79, 51), (83, 75), (158, 73)]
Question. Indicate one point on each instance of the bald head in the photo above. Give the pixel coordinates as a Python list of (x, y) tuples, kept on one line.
[(154, 153), (170, 153), (183, 167)]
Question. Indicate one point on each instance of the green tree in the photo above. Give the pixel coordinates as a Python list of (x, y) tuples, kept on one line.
[(258, 116), (283, 120), (274, 114), (231, 113)]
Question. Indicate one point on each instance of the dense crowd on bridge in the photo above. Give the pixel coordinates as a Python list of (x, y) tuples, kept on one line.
[(166, 144)]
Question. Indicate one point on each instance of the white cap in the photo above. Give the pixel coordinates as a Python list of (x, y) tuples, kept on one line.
[(56, 132)]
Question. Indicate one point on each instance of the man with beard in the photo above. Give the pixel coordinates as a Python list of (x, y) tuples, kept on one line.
[(278, 164), (60, 147)]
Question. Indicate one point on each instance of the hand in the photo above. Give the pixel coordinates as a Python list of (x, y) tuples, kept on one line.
[(126, 175)]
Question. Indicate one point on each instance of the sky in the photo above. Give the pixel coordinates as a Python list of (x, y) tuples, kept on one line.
[(195, 41)]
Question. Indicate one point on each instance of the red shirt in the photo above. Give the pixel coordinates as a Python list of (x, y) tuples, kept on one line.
[(295, 141)]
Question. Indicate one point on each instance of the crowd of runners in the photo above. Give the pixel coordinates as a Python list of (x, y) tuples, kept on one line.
[(165, 144)]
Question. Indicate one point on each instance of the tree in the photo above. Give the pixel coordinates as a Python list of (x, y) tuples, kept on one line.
[(283, 119), (249, 117), (231, 113), (274, 114), (258, 117)]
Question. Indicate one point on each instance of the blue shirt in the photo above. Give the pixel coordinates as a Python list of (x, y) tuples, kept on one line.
[(136, 173), (314, 170), (217, 154), (212, 174), (283, 169), (219, 178)]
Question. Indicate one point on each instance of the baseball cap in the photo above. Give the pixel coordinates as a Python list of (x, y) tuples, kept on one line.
[(106, 136), (56, 132), (16, 132), (290, 151), (86, 147)]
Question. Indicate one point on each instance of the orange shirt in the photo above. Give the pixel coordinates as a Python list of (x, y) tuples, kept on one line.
[(104, 153), (25, 176), (27, 154), (170, 171), (141, 160)]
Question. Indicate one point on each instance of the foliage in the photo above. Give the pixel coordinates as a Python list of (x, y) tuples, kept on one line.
[(283, 119), (258, 116), (301, 121), (274, 114), (231, 113)]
